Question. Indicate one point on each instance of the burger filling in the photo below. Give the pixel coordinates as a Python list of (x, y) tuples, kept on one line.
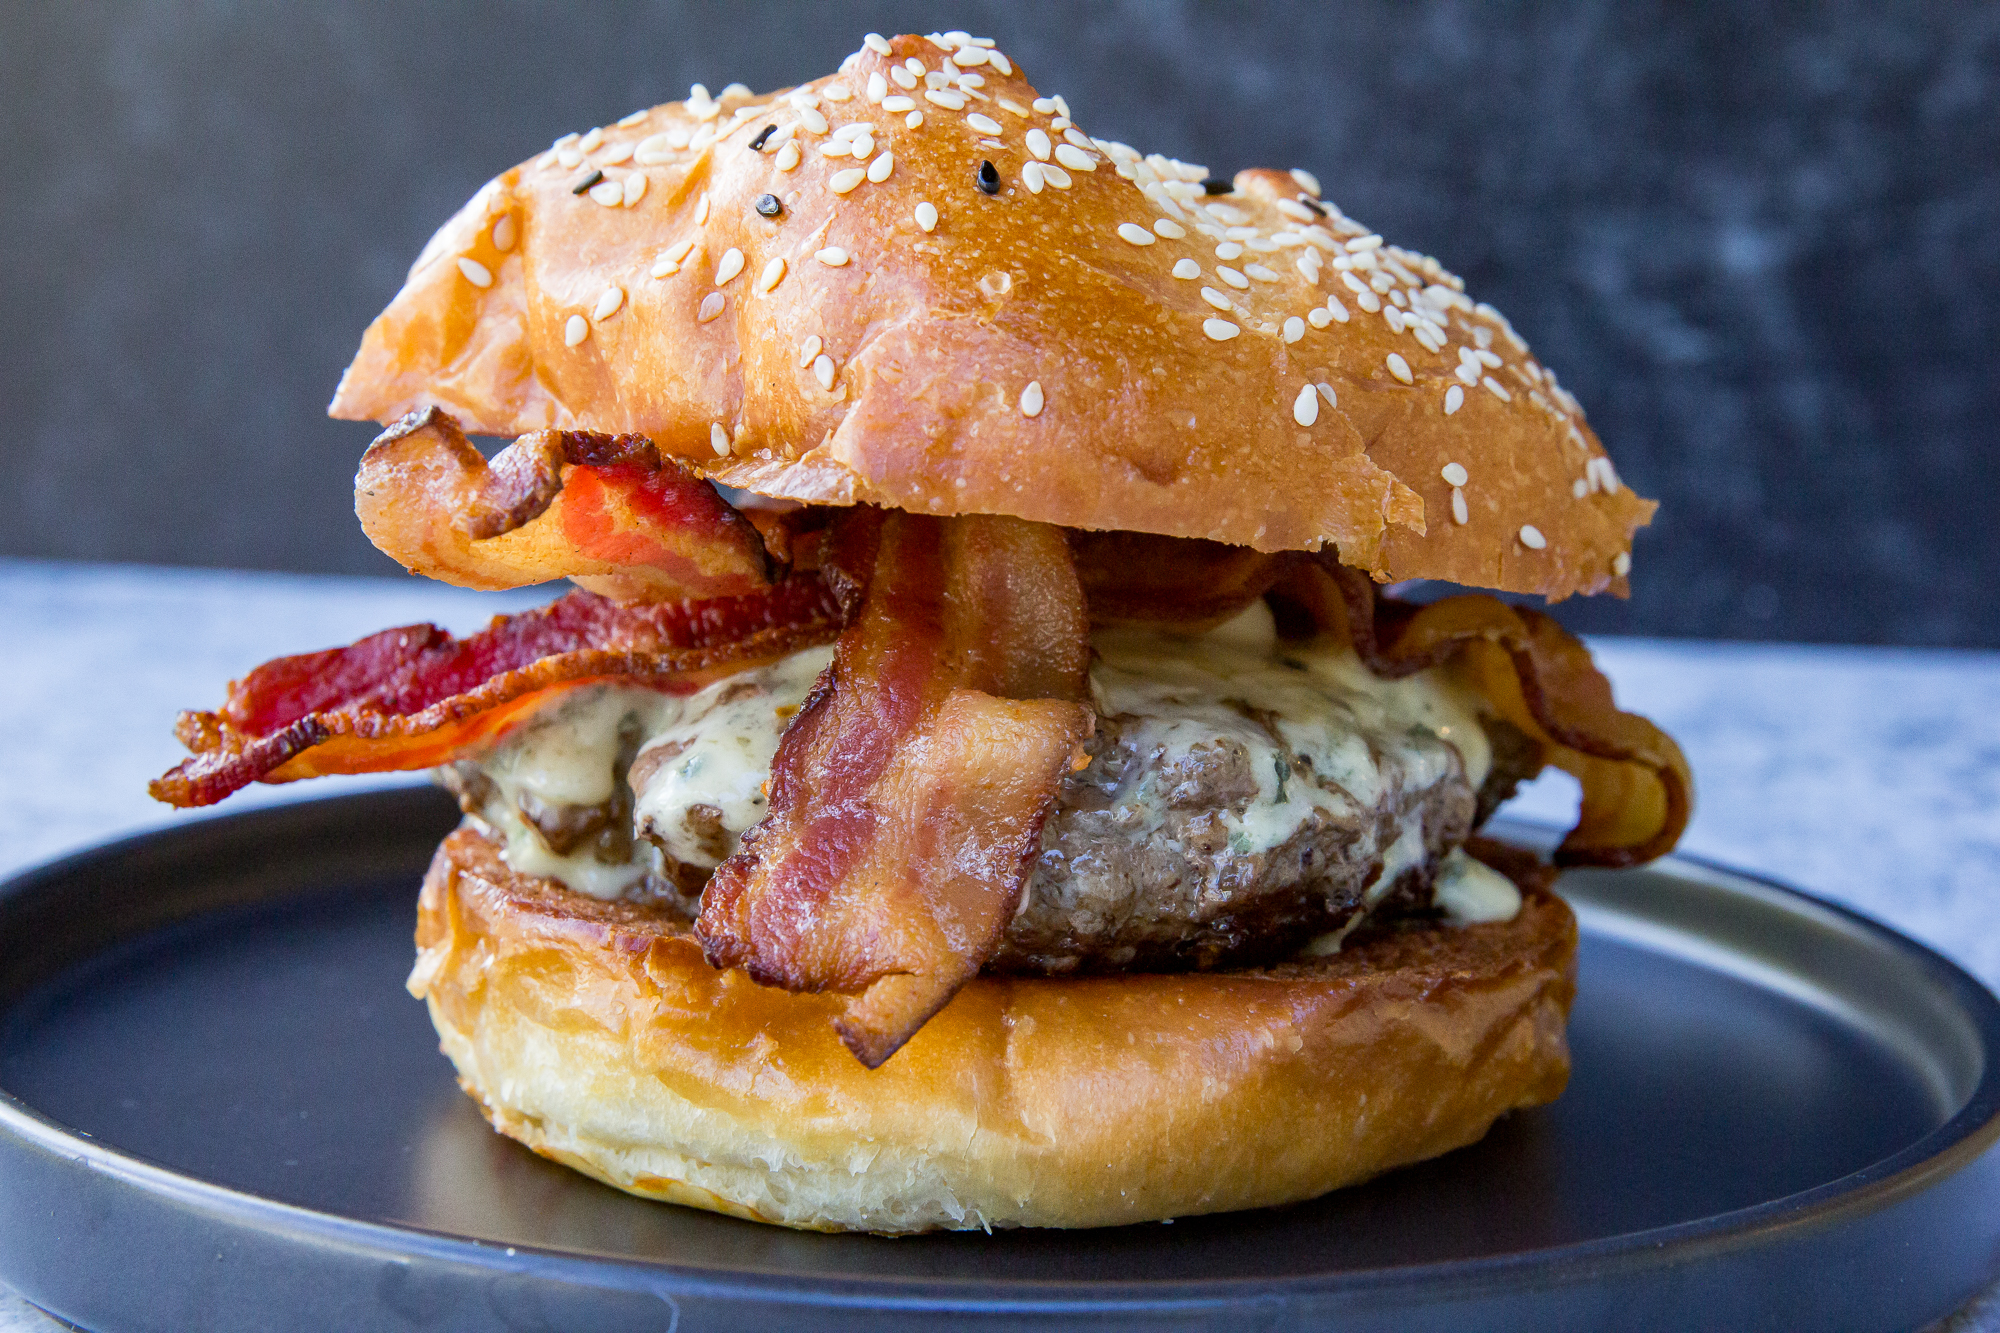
[(1243, 798)]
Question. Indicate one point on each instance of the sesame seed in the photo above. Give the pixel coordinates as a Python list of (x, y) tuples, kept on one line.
[(1075, 158), (653, 151), (903, 77), (968, 55), (1038, 144), (1498, 391), (1368, 301), (1221, 330), (1454, 398), (475, 272), (635, 188), (1032, 177), (1134, 234), (1215, 298), (504, 233), (836, 92), (1031, 399), (1307, 181), (810, 349), (575, 330), (608, 302), (1010, 106), (1170, 229), (701, 210), (774, 273), (877, 43), (1305, 408), (627, 122), (1259, 272), (898, 103), (1055, 175), (1000, 63), (1579, 488), (1454, 474), (951, 101), (984, 124), (879, 169), (608, 193), (1186, 269), (878, 87), (1228, 250), (1231, 276), (1394, 318), (718, 439), (730, 265), (1621, 564), (1044, 105), (1295, 329), (811, 118), (927, 216), (842, 182), (711, 306), (823, 370), (788, 157), (1319, 317), (591, 142), (1336, 309), (1295, 210), (1459, 513), (1364, 243), (1400, 368), (914, 119), (987, 178), (832, 256), (1532, 538)]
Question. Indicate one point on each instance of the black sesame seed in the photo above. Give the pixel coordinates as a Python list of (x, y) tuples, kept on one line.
[(588, 181), (987, 178), (757, 144), (1216, 185), (769, 205), (1312, 203)]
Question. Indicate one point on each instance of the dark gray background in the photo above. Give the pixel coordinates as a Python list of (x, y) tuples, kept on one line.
[(1761, 242)]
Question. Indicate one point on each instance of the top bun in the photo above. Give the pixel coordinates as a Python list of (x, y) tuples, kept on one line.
[(1074, 334)]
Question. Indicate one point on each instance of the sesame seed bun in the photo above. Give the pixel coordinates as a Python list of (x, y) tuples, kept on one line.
[(596, 1034), (917, 329)]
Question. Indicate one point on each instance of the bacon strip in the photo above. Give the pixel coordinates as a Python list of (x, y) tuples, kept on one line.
[(606, 510), (416, 697), (1637, 789), (1138, 577), (908, 797)]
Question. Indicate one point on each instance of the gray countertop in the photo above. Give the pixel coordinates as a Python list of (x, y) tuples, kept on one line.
[(1869, 776)]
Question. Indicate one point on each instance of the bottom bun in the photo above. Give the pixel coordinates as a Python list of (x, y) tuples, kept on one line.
[(596, 1034)]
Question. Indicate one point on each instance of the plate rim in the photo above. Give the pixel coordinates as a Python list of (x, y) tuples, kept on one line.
[(1967, 1135)]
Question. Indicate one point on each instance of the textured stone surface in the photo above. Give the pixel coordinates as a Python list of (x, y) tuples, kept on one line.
[(1870, 776), (1760, 241)]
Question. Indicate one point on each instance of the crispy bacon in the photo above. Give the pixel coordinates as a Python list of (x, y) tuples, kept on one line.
[(416, 697), (606, 510), (1637, 790), (1138, 577), (908, 797)]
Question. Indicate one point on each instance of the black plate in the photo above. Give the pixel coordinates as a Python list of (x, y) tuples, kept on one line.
[(222, 1112)]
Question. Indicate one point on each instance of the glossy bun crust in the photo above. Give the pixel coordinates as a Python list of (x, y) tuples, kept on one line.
[(596, 1034), (1078, 354)]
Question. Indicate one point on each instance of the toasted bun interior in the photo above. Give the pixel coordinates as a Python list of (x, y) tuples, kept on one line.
[(596, 1034), (956, 322)]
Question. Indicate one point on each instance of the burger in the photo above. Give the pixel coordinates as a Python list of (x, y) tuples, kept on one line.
[(979, 778)]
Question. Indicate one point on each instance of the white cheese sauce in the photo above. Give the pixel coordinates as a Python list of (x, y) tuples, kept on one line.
[(1179, 692)]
